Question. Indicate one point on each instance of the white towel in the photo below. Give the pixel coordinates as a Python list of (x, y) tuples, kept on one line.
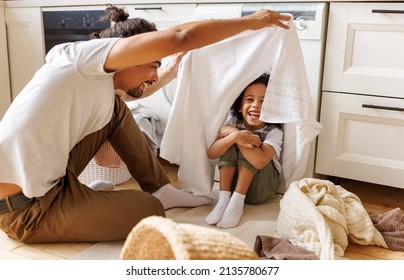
[(211, 78), (288, 101)]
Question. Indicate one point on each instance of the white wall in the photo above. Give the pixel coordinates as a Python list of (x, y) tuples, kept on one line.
[(5, 98)]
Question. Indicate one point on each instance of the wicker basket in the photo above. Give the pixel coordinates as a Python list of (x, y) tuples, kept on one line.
[(106, 166), (158, 238), (107, 157), (115, 175)]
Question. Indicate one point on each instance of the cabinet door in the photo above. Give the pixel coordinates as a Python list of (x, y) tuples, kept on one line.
[(362, 138), (26, 48), (364, 51), (163, 15)]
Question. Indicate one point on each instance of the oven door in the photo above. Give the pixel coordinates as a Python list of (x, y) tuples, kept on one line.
[(62, 26), (56, 37)]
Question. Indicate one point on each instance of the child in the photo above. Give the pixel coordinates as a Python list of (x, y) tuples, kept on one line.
[(249, 151)]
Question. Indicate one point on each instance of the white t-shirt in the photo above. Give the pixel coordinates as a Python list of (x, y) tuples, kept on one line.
[(70, 97)]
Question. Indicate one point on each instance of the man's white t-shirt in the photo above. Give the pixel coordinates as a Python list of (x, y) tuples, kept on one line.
[(70, 97)]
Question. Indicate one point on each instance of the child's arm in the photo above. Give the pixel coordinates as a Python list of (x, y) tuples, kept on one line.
[(228, 136), (226, 130), (258, 157)]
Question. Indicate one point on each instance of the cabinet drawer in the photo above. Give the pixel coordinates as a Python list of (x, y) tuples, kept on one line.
[(364, 50), (163, 15), (362, 138)]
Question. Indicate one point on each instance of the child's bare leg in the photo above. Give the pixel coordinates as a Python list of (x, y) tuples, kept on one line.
[(226, 178), (235, 208)]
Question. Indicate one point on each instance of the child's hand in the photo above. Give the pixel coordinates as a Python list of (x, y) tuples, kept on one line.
[(247, 139), (226, 130)]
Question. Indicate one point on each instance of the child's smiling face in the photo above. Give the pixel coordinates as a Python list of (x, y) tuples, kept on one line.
[(251, 104)]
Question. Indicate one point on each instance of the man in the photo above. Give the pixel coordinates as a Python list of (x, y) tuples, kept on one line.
[(64, 114)]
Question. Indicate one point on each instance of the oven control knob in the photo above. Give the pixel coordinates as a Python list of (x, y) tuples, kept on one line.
[(63, 23), (300, 23)]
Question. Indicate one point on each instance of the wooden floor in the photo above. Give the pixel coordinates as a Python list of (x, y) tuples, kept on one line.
[(375, 198)]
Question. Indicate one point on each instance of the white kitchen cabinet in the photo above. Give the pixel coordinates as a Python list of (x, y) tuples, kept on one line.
[(364, 51), (25, 45), (163, 15), (362, 138), (5, 96), (362, 109)]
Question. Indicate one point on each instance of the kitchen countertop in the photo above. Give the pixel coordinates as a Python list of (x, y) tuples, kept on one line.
[(53, 3)]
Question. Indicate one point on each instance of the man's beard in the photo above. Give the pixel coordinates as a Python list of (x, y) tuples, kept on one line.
[(135, 92)]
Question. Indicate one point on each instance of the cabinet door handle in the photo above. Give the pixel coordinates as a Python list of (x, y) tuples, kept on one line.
[(387, 11), (148, 8), (383, 107)]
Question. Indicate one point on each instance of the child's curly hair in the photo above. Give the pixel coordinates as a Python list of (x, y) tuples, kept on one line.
[(235, 108)]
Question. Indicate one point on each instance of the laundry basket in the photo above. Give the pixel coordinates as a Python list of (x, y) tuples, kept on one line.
[(159, 238), (106, 166), (115, 175)]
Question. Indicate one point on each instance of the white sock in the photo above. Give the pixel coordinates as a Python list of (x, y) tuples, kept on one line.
[(172, 197), (217, 212), (232, 215), (100, 185)]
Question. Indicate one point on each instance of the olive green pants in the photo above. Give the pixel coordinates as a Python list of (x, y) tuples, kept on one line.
[(72, 212), (265, 182)]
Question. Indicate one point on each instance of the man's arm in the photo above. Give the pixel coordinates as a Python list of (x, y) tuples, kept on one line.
[(152, 46), (258, 157)]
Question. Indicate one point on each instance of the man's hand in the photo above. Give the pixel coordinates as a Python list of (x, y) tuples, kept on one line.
[(266, 17), (170, 70)]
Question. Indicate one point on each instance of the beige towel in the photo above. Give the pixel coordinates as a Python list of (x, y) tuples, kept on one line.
[(320, 216)]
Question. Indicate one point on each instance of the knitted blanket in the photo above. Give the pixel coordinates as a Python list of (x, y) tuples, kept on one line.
[(321, 217)]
